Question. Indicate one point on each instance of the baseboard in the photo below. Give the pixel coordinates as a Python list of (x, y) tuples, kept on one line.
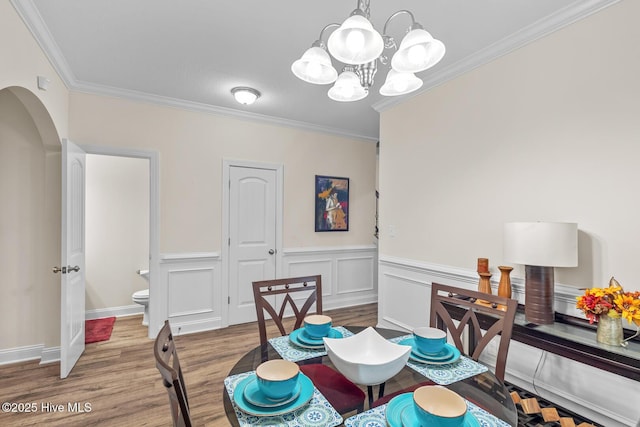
[(127, 310), (50, 355), (21, 354)]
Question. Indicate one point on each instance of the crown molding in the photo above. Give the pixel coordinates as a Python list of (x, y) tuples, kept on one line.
[(549, 24), (34, 22), (132, 95)]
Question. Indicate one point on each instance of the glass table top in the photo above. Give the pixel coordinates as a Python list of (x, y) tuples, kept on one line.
[(483, 389)]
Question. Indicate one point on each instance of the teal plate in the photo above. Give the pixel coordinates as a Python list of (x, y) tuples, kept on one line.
[(400, 413), (310, 343), (306, 393), (304, 338), (456, 355), (254, 396), (445, 354)]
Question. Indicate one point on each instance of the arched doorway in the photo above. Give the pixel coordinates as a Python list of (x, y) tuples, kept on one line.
[(29, 223)]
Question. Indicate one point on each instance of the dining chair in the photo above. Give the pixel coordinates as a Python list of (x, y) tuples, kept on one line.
[(455, 310), (280, 298), (168, 364), (473, 319)]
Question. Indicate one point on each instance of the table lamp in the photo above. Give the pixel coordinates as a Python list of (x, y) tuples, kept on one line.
[(540, 246)]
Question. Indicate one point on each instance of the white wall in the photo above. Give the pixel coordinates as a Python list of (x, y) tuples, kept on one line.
[(192, 146), (117, 229), (22, 189), (548, 132)]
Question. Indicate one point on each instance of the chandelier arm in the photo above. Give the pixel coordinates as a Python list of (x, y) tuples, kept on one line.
[(413, 20), (319, 42)]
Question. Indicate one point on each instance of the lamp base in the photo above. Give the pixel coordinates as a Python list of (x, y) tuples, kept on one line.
[(539, 285)]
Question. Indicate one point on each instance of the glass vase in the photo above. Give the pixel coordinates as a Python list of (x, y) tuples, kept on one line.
[(609, 330)]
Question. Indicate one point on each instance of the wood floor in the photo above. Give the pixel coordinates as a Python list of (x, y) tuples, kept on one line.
[(119, 382)]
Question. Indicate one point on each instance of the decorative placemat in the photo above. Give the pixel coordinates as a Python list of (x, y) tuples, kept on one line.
[(318, 412), (447, 373), (376, 417), (289, 351)]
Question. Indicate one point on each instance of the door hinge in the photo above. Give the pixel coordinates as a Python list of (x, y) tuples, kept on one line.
[(229, 242), (228, 300)]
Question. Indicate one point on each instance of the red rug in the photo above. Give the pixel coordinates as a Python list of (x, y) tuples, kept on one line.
[(97, 330)]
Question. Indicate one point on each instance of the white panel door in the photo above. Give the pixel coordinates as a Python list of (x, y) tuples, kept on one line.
[(72, 263), (252, 236)]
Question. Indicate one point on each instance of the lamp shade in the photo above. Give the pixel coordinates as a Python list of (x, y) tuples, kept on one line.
[(355, 42), (315, 67), (548, 244), (418, 51), (347, 88), (400, 83)]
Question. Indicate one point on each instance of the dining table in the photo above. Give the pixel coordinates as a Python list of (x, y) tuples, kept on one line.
[(483, 391)]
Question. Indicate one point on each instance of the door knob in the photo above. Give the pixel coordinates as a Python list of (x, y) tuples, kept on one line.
[(70, 269), (271, 251), (63, 270)]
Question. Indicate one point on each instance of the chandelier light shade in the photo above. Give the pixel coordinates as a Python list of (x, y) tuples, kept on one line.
[(398, 83), (418, 51), (359, 46), (356, 41), (347, 88), (315, 67), (245, 95)]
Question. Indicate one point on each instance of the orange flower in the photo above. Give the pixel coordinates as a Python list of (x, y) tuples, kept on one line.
[(612, 301)]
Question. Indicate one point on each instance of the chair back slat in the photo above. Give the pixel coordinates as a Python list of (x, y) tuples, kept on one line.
[(288, 287), (483, 317), (168, 364)]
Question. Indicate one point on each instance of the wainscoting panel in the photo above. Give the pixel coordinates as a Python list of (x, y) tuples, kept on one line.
[(355, 275), (189, 291), (349, 274), (606, 398)]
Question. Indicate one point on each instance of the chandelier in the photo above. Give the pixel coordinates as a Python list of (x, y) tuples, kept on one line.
[(359, 47)]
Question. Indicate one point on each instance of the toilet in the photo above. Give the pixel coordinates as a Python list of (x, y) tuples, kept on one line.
[(142, 297)]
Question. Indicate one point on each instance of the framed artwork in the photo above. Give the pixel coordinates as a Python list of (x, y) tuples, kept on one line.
[(332, 203)]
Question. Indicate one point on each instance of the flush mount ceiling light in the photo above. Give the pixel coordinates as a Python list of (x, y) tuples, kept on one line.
[(358, 46), (245, 95)]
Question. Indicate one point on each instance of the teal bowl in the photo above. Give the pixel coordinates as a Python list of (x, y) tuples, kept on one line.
[(277, 378), (317, 325), (437, 406), (429, 340)]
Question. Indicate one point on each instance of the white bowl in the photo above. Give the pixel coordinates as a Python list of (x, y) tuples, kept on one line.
[(367, 358)]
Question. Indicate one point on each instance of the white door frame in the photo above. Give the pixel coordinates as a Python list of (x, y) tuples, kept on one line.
[(227, 164), (157, 302)]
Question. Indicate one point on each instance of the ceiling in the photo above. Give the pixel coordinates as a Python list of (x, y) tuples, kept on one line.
[(191, 53)]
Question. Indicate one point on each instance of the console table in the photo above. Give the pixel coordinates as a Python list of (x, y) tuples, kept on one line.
[(576, 339)]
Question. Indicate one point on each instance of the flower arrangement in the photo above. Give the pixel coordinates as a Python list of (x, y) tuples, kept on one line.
[(612, 301)]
